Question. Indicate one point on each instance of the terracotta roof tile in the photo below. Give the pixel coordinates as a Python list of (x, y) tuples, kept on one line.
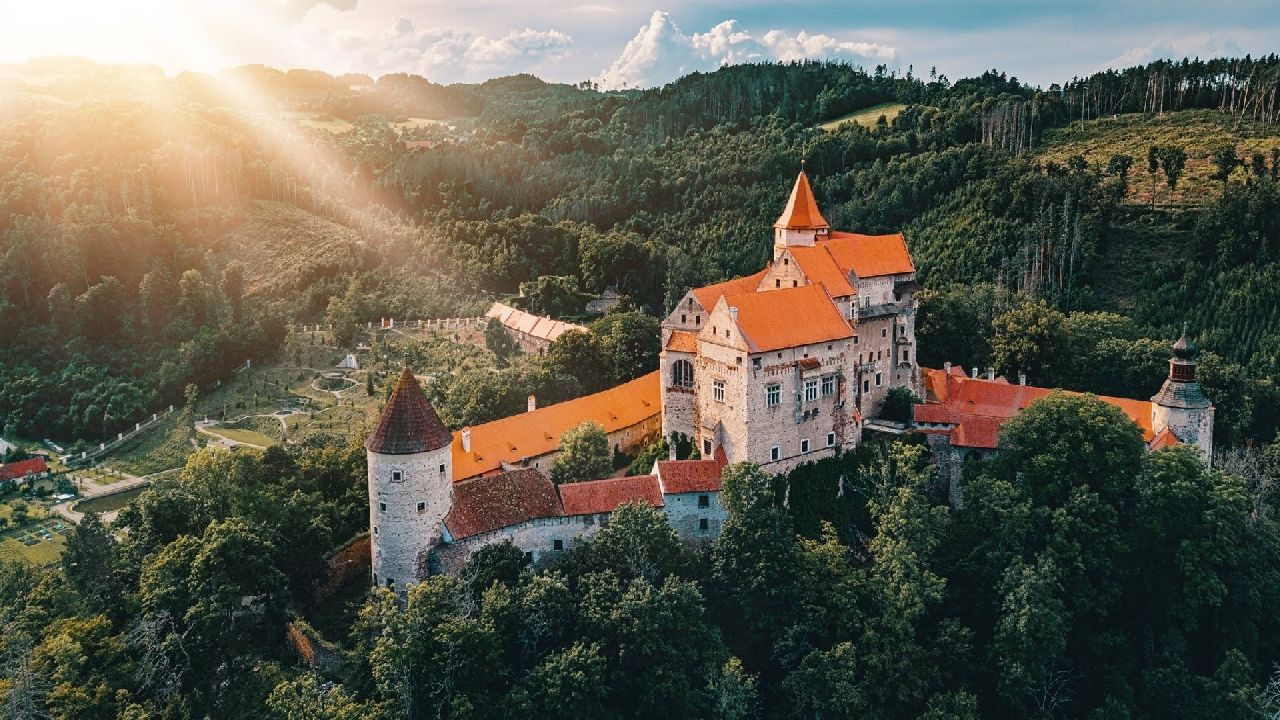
[(707, 296), (820, 267), (23, 468), (492, 502), (408, 424), (601, 496), (683, 341), (526, 435), (767, 320), (802, 211), (685, 476), (980, 407), (1165, 439), (870, 255)]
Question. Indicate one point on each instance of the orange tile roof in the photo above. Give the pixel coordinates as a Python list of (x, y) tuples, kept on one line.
[(802, 211), (819, 266), (512, 439), (1165, 439), (23, 468), (769, 320), (870, 255), (707, 296), (601, 496), (683, 341), (980, 407), (686, 476), (534, 325), (492, 502)]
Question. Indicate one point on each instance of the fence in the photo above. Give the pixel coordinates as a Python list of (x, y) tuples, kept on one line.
[(429, 324)]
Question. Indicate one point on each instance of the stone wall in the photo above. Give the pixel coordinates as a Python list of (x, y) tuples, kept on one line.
[(537, 538), (685, 516), (349, 561), (402, 532)]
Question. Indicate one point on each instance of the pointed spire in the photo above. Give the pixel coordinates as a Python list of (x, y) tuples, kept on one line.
[(408, 424), (1183, 348), (802, 211)]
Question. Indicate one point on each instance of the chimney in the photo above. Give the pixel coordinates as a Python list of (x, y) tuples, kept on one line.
[(975, 372), (671, 451), (1022, 378), (733, 314), (991, 373), (946, 368), (533, 403), (466, 439)]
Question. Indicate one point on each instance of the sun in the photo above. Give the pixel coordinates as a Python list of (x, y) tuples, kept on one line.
[(203, 35)]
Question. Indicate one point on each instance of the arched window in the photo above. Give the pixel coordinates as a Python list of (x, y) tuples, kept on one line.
[(682, 374)]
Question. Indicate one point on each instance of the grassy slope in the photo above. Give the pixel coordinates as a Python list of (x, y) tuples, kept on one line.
[(1198, 132), (286, 248), (867, 117)]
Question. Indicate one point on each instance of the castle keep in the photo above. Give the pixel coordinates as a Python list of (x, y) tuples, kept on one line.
[(782, 367)]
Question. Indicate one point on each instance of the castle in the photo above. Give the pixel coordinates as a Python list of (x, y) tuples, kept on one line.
[(782, 367)]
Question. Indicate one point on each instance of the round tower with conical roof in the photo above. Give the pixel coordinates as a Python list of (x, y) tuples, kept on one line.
[(1181, 406), (410, 485)]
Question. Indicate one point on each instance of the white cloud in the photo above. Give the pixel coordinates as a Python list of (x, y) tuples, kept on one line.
[(660, 52), (1205, 45), (445, 55)]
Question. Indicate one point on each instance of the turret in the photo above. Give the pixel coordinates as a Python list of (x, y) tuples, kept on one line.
[(1181, 406), (410, 485), (801, 223)]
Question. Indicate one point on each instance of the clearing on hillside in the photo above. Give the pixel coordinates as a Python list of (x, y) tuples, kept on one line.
[(866, 117), (1198, 132)]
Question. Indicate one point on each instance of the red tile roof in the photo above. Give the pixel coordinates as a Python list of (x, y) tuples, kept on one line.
[(802, 211), (980, 407), (820, 267), (1165, 439), (23, 468), (870, 255), (526, 435), (707, 296), (408, 424), (683, 341), (769, 320), (601, 496), (686, 476), (492, 502)]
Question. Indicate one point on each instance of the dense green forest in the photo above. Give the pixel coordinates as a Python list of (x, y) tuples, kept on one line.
[(157, 232)]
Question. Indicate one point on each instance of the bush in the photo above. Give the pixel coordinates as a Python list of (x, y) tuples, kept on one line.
[(897, 404)]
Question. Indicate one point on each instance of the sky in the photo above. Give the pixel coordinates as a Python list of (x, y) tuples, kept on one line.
[(631, 44)]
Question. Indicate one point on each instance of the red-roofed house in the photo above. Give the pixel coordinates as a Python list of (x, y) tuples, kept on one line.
[(781, 367), (691, 490), (24, 470), (963, 416)]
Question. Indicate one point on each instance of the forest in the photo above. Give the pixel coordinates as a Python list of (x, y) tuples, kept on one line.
[(156, 233)]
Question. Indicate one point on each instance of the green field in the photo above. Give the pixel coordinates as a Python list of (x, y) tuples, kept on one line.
[(319, 121), (415, 123), (1198, 132), (249, 437), (39, 540), (108, 503), (866, 117)]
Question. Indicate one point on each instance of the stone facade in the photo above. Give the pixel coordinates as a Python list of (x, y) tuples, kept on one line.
[(409, 495)]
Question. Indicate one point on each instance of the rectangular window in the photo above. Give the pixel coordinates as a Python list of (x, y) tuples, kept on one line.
[(683, 319), (558, 545), (528, 557), (773, 452), (866, 386), (831, 439), (391, 582), (397, 476), (755, 363), (855, 339), (878, 379), (697, 319), (772, 395), (829, 385), (375, 529), (810, 390), (777, 283), (704, 501), (884, 332), (804, 445), (703, 524), (706, 448), (382, 507), (422, 507), (906, 356), (717, 390), (441, 468)]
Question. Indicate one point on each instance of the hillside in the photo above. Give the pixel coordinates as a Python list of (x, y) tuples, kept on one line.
[(1198, 132)]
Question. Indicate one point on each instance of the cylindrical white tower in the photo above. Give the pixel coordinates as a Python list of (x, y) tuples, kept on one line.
[(410, 485)]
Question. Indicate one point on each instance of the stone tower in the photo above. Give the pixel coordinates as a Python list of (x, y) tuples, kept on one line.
[(801, 223), (410, 485), (1181, 406)]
